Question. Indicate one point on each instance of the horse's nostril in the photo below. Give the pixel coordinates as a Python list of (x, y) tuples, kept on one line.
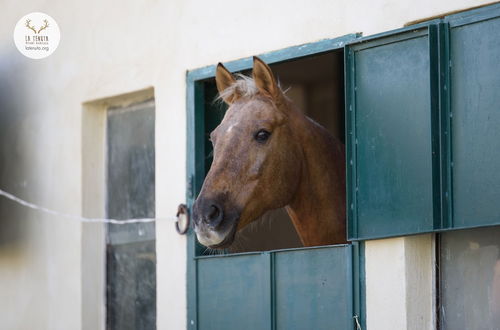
[(214, 212), (213, 216)]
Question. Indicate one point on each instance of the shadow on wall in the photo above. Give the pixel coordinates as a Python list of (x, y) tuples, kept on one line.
[(14, 123)]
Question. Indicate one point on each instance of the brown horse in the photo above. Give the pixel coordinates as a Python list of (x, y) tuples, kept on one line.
[(268, 155)]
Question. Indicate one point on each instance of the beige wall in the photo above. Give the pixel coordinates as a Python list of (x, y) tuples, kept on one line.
[(400, 281), (109, 48)]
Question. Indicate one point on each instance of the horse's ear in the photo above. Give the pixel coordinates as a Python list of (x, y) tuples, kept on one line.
[(224, 79), (264, 78)]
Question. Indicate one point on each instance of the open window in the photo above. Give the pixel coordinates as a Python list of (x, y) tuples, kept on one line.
[(316, 85)]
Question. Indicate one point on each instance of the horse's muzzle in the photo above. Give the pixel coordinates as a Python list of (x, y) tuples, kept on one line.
[(213, 227)]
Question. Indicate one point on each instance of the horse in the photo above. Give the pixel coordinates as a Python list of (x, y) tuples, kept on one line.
[(267, 155)]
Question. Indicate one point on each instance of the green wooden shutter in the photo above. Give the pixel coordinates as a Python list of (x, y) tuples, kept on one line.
[(423, 124), (474, 43), (391, 112)]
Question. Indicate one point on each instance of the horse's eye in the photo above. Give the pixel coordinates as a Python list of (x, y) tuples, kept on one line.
[(262, 135)]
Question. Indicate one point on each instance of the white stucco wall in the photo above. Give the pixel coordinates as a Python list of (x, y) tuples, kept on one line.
[(114, 47), (400, 283)]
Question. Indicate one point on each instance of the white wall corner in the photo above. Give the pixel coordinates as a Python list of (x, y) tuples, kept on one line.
[(385, 284), (400, 283)]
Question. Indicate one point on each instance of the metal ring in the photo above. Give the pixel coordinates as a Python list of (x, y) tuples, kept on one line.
[(182, 211)]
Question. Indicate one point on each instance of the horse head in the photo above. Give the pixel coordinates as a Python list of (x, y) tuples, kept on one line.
[(257, 158)]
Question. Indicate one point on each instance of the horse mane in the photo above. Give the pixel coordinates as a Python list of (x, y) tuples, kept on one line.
[(244, 86)]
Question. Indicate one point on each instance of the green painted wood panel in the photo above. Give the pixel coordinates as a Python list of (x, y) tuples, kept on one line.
[(475, 106), (309, 288), (313, 289), (234, 292), (392, 152)]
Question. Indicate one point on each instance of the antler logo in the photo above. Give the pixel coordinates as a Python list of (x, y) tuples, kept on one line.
[(32, 27), (36, 35)]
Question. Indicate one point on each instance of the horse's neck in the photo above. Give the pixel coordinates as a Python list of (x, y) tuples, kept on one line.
[(318, 207)]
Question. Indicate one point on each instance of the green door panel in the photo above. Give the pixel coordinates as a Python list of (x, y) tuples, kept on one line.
[(234, 292), (307, 288), (392, 136), (313, 289), (475, 105)]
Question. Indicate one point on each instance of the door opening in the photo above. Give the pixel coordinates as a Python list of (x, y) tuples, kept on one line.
[(316, 85)]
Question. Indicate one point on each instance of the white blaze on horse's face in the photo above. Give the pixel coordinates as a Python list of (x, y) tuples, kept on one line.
[(255, 166)]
